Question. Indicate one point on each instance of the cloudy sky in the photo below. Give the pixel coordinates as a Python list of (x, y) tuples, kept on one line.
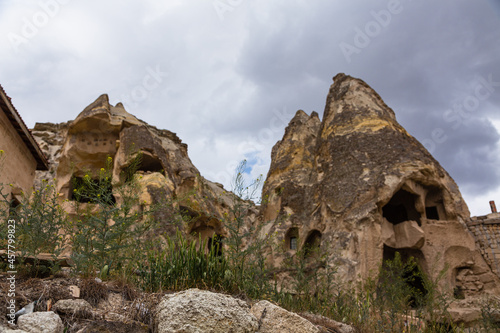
[(228, 75)]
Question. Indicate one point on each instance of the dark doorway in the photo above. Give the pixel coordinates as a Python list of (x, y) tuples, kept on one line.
[(408, 265), (312, 244), (215, 244), (432, 213), (401, 208)]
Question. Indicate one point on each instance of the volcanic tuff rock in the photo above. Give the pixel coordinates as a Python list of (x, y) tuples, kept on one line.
[(50, 137), (201, 311), (359, 187), (273, 318), (103, 131), (355, 185)]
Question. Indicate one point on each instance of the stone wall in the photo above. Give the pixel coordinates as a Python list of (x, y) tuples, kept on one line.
[(18, 165), (486, 231)]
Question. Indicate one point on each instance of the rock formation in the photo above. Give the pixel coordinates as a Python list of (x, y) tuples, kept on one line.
[(103, 133), (357, 186), (354, 185)]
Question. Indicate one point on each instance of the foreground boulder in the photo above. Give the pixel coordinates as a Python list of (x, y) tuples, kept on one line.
[(74, 307), (41, 322), (103, 326), (8, 330), (273, 318), (199, 311)]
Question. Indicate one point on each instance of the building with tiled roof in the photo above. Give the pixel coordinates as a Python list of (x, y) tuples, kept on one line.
[(20, 154)]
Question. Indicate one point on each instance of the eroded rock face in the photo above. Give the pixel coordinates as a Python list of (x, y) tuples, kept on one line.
[(355, 185), (50, 137), (359, 187), (200, 311), (102, 133)]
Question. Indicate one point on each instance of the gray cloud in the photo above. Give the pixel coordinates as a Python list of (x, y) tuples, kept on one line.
[(226, 84)]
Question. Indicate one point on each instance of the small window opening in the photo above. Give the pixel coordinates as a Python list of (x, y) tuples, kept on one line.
[(150, 163), (401, 208), (291, 239), (432, 213), (188, 214), (434, 207), (145, 162), (312, 244)]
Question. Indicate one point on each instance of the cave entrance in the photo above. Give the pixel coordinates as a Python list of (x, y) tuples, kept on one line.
[(215, 244), (401, 208), (150, 163), (208, 236), (143, 162), (91, 190), (405, 267), (312, 244)]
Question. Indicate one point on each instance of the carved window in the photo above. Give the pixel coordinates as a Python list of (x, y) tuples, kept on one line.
[(145, 162), (13, 205), (432, 213), (434, 207), (291, 239)]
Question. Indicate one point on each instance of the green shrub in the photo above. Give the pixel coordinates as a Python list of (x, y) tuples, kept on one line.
[(105, 233), (40, 222), (184, 264)]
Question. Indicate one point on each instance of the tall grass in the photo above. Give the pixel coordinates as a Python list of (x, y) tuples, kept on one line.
[(184, 264)]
